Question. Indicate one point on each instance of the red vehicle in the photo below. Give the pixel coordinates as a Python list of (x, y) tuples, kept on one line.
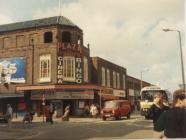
[(116, 109)]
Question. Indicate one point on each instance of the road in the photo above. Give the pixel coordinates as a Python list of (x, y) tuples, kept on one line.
[(82, 129)]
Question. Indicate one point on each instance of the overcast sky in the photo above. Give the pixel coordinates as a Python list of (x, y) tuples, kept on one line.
[(126, 32)]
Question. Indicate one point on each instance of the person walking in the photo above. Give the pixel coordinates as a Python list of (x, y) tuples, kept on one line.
[(156, 110), (51, 112), (65, 117), (173, 121), (86, 111), (9, 115), (94, 111)]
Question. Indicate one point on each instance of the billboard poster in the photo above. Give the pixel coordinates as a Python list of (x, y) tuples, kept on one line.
[(12, 70)]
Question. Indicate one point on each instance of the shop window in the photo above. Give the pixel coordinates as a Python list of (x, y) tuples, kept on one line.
[(48, 37), (45, 68), (69, 68), (66, 37)]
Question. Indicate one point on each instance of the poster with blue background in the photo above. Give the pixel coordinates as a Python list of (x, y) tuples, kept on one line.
[(12, 70)]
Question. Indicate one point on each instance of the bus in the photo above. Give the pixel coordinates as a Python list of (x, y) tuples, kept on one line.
[(147, 94)]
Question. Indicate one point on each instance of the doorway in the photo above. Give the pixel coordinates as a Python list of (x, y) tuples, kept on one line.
[(71, 104)]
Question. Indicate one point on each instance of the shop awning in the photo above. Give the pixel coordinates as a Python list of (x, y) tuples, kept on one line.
[(57, 87), (11, 95)]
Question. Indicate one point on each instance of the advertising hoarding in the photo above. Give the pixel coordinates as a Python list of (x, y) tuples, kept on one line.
[(12, 70)]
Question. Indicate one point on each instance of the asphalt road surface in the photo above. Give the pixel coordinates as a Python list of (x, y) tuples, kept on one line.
[(82, 129)]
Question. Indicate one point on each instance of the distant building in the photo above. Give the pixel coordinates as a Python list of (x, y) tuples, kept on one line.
[(134, 88)]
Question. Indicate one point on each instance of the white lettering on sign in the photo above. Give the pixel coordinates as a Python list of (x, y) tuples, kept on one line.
[(60, 70), (78, 70)]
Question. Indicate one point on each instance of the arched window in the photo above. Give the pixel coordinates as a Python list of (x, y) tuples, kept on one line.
[(66, 36), (48, 37)]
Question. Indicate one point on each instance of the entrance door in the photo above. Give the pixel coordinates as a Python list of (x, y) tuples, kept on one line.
[(71, 103)]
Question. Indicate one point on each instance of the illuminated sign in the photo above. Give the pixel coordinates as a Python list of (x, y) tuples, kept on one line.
[(78, 70), (69, 47), (60, 70)]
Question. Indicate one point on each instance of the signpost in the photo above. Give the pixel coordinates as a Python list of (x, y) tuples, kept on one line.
[(43, 104)]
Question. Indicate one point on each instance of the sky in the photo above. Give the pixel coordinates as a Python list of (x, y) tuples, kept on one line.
[(125, 32)]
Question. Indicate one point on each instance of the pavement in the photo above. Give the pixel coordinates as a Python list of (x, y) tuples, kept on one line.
[(19, 129), (135, 115)]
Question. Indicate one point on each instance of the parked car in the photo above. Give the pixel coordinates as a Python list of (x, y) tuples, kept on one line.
[(116, 109)]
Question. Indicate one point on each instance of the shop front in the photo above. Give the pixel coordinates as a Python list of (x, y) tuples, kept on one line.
[(15, 100), (77, 100), (76, 96)]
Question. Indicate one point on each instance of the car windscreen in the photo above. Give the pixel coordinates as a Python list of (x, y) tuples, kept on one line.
[(110, 104), (149, 94)]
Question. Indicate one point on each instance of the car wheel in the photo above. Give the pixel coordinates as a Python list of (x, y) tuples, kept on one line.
[(146, 117), (117, 117), (103, 118), (128, 115)]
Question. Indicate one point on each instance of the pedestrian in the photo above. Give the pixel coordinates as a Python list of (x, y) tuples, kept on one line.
[(9, 115), (51, 112), (173, 121), (156, 110), (65, 117), (47, 113), (94, 111), (86, 111)]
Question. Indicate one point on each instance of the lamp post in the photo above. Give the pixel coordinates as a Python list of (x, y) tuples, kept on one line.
[(181, 55), (141, 75)]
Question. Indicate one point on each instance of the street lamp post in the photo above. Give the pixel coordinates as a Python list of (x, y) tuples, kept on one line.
[(141, 76), (181, 55)]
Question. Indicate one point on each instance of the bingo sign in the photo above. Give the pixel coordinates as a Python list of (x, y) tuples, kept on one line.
[(12, 70), (78, 70)]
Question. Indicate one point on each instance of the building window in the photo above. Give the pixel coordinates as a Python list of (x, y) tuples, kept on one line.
[(45, 68), (108, 77), (103, 77), (66, 36), (124, 82), (69, 68), (118, 81), (7, 42), (114, 79), (1, 43), (20, 40), (85, 60), (48, 37)]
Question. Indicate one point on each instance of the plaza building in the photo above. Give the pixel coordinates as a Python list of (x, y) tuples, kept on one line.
[(45, 60)]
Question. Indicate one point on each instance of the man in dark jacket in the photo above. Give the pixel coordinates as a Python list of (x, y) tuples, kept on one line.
[(173, 122), (157, 108)]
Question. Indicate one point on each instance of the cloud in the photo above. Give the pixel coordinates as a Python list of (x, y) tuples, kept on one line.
[(5, 19), (129, 33)]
